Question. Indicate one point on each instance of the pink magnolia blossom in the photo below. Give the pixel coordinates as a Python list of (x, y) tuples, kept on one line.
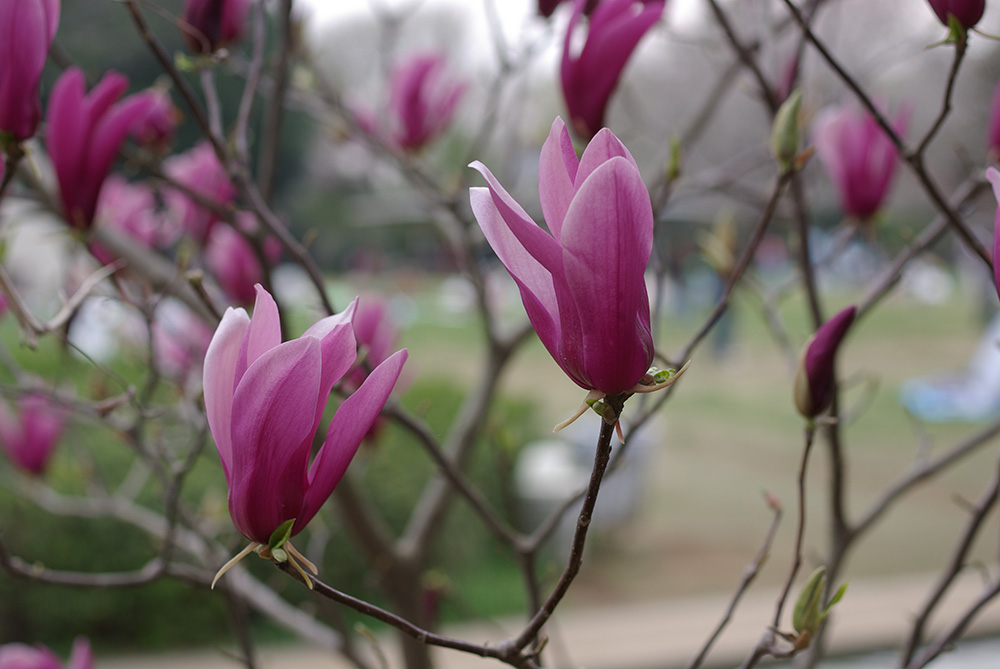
[(422, 101), (582, 281), (30, 436), (590, 75), (994, 177), (264, 400), (233, 260), (968, 12), (130, 209), (21, 656), (214, 23), (200, 171), (26, 31), (156, 127), (180, 338), (83, 134), (858, 156), (815, 380)]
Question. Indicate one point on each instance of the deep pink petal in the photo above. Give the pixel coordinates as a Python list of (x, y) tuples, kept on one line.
[(24, 45), (51, 17), (272, 428), (607, 239), (820, 355), (263, 334), (602, 148), (557, 168), (220, 380), (534, 281), (349, 425)]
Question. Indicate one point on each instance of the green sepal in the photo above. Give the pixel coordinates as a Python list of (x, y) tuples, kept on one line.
[(598, 406), (280, 536), (956, 31), (806, 616), (663, 375)]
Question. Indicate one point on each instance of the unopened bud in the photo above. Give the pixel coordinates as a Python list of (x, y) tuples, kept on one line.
[(785, 132)]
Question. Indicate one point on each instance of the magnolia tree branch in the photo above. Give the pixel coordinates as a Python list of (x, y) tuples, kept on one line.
[(955, 565)]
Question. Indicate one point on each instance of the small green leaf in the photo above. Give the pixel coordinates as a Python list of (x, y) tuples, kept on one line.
[(806, 617), (837, 596), (281, 535), (279, 555)]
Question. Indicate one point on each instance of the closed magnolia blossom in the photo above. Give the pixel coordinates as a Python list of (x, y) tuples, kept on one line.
[(590, 74), (200, 172), (966, 12), (264, 399), (30, 432), (22, 656), (155, 128), (212, 24), (858, 156), (129, 209), (27, 28), (234, 262), (582, 282), (422, 100), (83, 134), (815, 381)]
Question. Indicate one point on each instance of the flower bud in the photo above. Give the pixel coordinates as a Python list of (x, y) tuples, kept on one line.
[(26, 31), (814, 380), (785, 132), (214, 23), (966, 12)]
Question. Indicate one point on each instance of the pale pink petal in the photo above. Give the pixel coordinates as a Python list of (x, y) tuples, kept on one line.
[(349, 425), (220, 380)]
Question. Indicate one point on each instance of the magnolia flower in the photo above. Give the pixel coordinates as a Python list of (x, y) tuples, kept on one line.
[(233, 260), (83, 134), (30, 436), (994, 176), (264, 400), (26, 31), (858, 156), (590, 75), (422, 101), (200, 172), (214, 23), (966, 12), (129, 208), (156, 127), (582, 281), (815, 380), (21, 656)]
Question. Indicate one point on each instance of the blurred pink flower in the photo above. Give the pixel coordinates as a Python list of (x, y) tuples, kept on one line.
[(83, 134), (858, 156), (422, 101), (214, 23), (233, 261), (155, 128), (26, 31), (815, 379), (180, 338), (590, 75), (21, 656), (129, 208), (29, 438), (264, 400), (200, 171), (582, 282), (968, 12)]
